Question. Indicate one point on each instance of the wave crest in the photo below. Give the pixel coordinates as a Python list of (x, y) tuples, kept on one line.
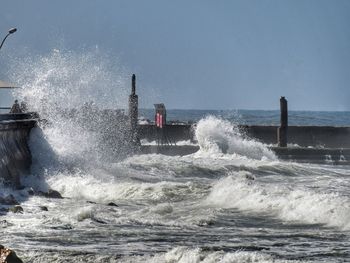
[(217, 136)]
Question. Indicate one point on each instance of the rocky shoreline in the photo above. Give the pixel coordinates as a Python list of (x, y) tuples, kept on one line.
[(10, 204), (8, 256)]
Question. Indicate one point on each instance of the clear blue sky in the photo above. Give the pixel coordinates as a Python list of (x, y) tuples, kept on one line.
[(201, 54)]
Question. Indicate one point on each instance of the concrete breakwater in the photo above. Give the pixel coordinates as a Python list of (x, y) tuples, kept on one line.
[(15, 156), (314, 144), (303, 136)]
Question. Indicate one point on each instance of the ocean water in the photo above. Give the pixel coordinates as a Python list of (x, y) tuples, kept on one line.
[(257, 117), (243, 205)]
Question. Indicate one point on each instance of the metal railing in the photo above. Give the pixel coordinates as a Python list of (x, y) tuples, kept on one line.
[(5, 110)]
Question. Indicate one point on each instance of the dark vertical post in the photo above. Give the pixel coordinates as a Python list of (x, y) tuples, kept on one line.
[(283, 129), (133, 111)]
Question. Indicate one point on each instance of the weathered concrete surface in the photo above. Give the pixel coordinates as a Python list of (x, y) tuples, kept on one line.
[(180, 150), (15, 157), (174, 132), (18, 116), (319, 136), (304, 136)]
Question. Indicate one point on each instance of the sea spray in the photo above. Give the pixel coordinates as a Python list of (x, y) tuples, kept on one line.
[(67, 79), (80, 98), (216, 135)]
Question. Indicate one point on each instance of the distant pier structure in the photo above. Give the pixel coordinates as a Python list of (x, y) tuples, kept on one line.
[(133, 112), (283, 129), (161, 126)]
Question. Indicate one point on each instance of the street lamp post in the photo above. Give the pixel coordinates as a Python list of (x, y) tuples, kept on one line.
[(11, 31)]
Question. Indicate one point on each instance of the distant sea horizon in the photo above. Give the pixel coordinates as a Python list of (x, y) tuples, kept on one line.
[(256, 117)]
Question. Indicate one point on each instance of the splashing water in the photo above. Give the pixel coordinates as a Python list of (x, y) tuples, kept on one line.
[(77, 94), (217, 136), (70, 79), (234, 196)]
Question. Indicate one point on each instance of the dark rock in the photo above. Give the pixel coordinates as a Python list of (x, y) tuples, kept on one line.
[(43, 208), (51, 194), (91, 202), (250, 177), (8, 200), (8, 256), (31, 191), (16, 209), (54, 194), (98, 221), (112, 204)]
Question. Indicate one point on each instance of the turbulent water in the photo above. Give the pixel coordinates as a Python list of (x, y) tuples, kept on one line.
[(232, 201)]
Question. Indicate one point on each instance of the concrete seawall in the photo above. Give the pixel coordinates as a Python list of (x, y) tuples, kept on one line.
[(329, 144), (176, 132), (15, 157), (304, 136)]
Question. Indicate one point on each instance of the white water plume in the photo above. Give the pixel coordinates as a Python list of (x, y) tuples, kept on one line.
[(68, 80), (216, 136), (80, 96)]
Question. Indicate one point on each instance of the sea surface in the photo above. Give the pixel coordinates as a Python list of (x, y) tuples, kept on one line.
[(244, 205)]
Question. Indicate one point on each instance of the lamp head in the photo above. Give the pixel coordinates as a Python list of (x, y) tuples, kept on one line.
[(12, 30)]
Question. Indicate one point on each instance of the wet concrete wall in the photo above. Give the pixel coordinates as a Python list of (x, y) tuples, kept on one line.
[(15, 157), (173, 132), (317, 136)]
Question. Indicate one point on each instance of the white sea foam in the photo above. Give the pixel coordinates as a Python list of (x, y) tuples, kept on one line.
[(194, 255), (217, 136), (84, 213), (106, 188), (176, 255), (300, 205)]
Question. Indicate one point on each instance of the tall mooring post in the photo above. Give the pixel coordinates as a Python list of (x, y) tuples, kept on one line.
[(133, 111), (283, 129)]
